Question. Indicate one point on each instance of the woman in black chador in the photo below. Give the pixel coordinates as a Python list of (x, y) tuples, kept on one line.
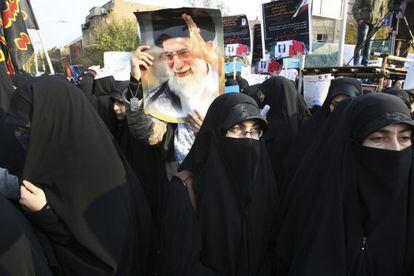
[(221, 215), (350, 210), (340, 89), (287, 113), (21, 252), (76, 187)]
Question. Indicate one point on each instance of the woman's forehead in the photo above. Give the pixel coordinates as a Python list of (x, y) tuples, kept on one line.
[(248, 123), (398, 127)]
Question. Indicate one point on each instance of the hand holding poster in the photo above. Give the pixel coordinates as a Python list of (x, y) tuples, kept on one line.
[(187, 71)]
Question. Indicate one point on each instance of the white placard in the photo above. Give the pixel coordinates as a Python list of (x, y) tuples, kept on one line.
[(410, 63), (118, 63), (316, 89), (349, 53), (409, 79), (290, 74), (253, 78)]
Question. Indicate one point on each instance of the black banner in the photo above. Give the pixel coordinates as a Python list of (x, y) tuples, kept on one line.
[(257, 44), (286, 20), (236, 31)]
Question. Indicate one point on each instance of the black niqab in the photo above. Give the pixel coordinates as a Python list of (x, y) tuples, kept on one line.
[(233, 229), (350, 208), (73, 158)]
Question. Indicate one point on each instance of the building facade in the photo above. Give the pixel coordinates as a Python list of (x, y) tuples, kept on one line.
[(327, 19), (99, 16)]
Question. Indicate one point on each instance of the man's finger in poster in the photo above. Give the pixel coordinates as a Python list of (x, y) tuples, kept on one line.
[(201, 48), (196, 120)]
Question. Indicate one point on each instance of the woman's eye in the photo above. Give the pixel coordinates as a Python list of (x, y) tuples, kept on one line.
[(405, 138), (377, 139)]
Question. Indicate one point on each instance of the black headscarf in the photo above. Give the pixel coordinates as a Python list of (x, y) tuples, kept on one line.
[(243, 83), (350, 210), (20, 77), (118, 90), (286, 115), (99, 94), (21, 252), (104, 86), (349, 87), (73, 158), (233, 229), (403, 95)]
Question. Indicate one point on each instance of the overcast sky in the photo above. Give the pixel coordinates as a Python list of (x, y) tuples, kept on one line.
[(60, 20)]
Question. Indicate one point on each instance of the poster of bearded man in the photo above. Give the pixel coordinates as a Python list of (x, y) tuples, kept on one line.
[(187, 71)]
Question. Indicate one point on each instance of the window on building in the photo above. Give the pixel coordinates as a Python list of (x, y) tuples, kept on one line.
[(322, 37)]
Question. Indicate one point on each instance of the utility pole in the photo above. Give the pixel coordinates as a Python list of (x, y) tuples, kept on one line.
[(341, 43)]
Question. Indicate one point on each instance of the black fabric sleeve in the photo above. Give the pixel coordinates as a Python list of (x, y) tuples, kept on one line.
[(181, 237), (140, 124), (9, 185), (47, 221), (86, 85), (71, 256)]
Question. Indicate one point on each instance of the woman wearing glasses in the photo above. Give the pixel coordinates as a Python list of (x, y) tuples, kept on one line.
[(221, 214)]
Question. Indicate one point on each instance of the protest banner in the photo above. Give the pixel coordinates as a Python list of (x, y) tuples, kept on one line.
[(187, 72), (236, 34), (118, 63), (257, 51), (286, 28), (316, 89)]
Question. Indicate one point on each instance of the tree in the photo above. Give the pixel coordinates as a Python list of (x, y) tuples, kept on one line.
[(351, 33), (115, 35)]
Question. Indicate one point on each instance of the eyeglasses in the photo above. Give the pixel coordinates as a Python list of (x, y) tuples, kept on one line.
[(182, 54), (240, 132)]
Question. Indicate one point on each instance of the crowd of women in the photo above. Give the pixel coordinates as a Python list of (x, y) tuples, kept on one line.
[(87, 188)]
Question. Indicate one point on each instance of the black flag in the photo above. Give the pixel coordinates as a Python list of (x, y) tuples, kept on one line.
[(15, 41), (28, 15)]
